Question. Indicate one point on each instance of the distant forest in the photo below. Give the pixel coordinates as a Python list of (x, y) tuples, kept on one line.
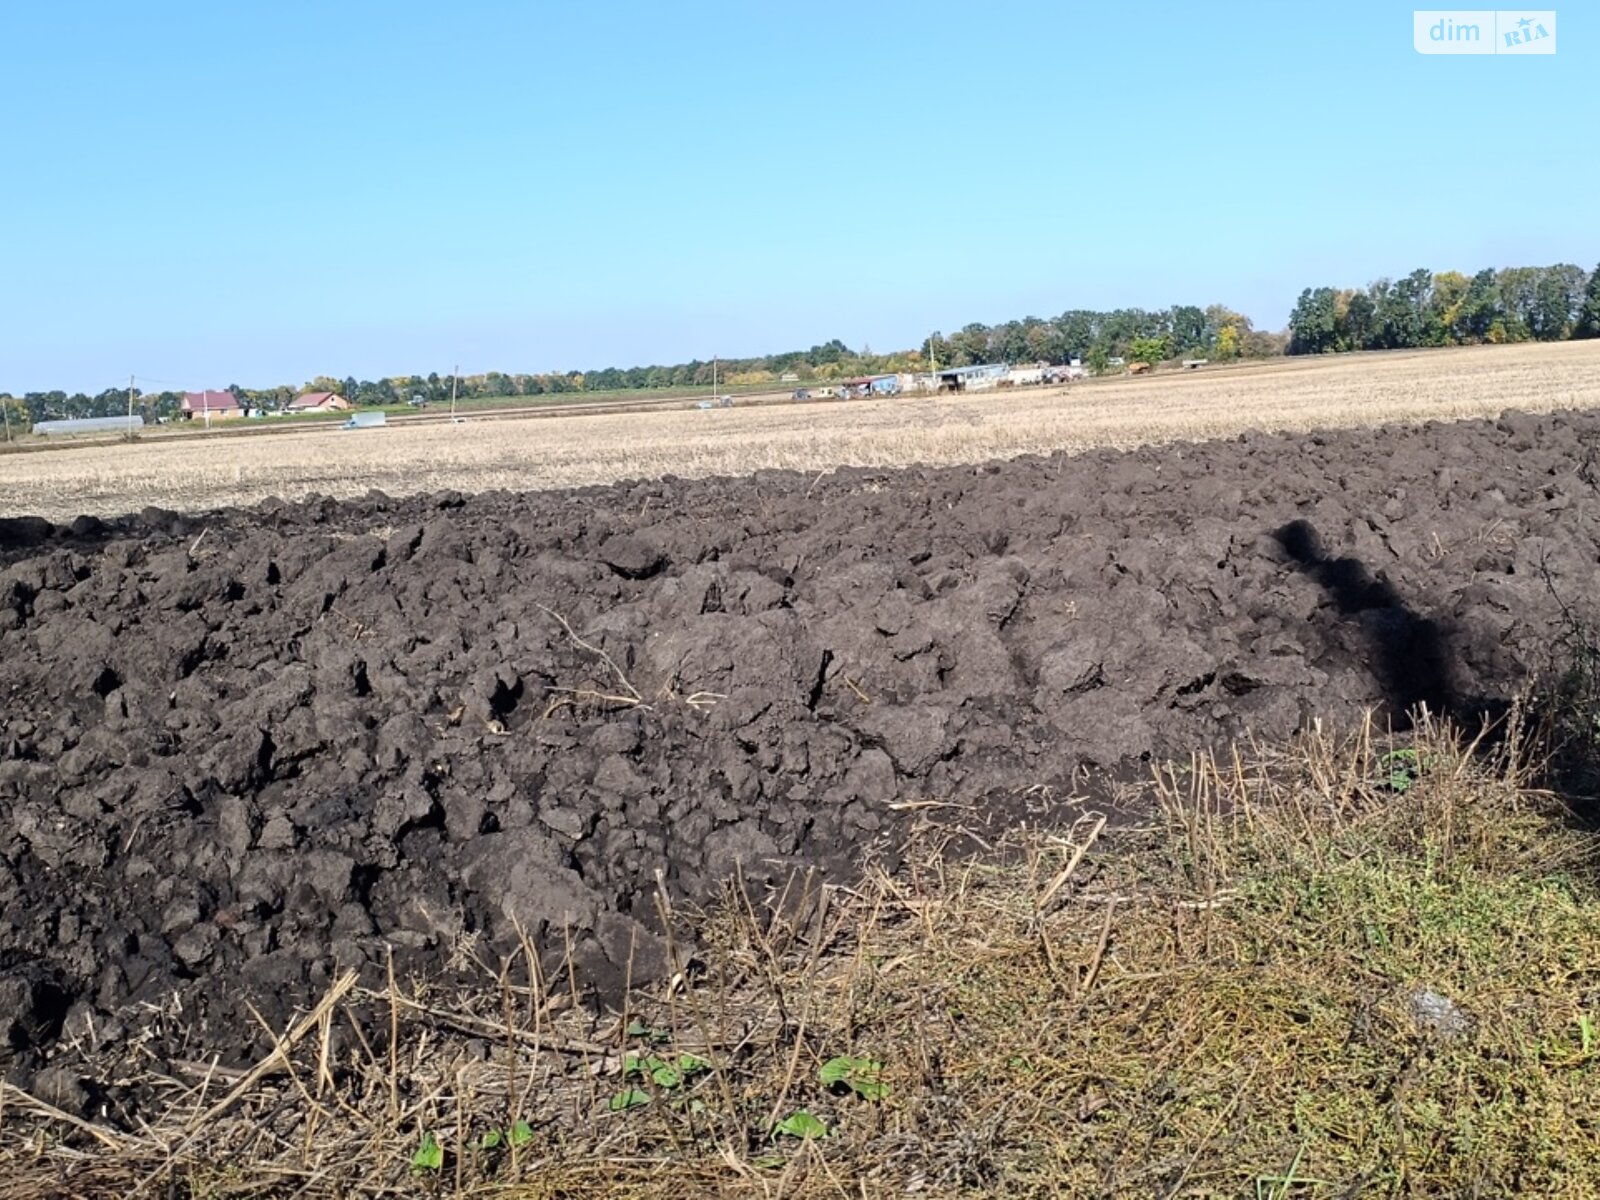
[(1515, 304), (1422, 309)]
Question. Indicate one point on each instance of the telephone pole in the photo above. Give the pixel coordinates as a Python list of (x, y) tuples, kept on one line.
[(455, 378), (130, 403)]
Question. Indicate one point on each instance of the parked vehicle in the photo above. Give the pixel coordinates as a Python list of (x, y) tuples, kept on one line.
[(1065, 374)]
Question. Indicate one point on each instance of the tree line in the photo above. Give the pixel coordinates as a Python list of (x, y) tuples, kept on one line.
[(1422, 309), (1182, 331), (1446, 308), (1094, 337)]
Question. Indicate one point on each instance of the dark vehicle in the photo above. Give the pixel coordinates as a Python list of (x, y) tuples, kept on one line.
[(801, 394)]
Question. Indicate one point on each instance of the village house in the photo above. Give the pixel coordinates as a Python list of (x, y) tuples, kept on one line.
[(308, 402), (208, 405)]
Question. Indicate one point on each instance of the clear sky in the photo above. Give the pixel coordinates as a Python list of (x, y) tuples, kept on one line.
[(256, 192)]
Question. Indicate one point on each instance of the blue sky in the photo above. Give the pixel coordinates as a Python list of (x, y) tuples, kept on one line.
[(255, 193)]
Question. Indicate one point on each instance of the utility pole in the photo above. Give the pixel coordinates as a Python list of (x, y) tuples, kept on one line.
[(5, 410), (130, 404), (713, 376), (455, 378)]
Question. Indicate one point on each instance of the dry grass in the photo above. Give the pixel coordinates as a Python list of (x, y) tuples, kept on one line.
[(1321, 972), (576, 450)]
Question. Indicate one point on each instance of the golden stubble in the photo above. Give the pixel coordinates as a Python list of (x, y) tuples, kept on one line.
[(528, 454)]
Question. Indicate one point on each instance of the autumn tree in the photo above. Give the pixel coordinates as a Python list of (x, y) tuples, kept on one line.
[(1518, 290), (1042, 344), (1479, 308), (1189, 333), (1360, 321), (1226, 332), (1150, 350), (1402, 311), (15, 420), (1314, 323), (1588, 322), (1449, 294), (1558, 294)]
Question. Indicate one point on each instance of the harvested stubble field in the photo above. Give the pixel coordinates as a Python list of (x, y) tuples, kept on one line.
[(575, 451), (509, 743)]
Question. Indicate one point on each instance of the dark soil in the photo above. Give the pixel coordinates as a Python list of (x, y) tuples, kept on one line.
[(242, 750)]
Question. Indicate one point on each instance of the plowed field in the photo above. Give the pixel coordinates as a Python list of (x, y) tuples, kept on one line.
[(242, 750)]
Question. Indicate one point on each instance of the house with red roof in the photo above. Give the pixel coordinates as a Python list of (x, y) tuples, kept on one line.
[(308, 402), (208, 405)]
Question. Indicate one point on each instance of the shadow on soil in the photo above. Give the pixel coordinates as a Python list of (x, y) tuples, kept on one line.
[(1412, 659), (1409, 655)]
